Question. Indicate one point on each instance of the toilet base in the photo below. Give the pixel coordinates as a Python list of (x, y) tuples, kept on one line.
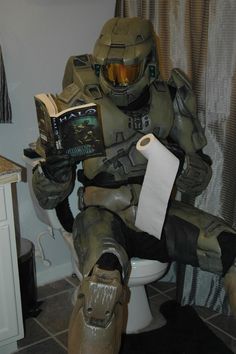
[(139, 313)]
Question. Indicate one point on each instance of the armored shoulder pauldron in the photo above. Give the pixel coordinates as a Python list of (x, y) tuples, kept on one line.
[(187, 129), (80, 72)]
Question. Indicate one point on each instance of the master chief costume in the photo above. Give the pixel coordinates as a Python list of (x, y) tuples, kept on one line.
[(123, 77)]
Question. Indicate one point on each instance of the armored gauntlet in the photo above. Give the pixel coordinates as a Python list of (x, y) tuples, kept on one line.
[(53, 180), (195, 176)]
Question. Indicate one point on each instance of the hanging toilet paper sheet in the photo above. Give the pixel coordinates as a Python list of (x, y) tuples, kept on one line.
[(159, 178)]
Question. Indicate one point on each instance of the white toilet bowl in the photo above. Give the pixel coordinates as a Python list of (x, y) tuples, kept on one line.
[(143, 271)]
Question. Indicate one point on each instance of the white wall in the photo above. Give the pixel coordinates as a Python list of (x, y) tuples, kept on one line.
[(37, 37)]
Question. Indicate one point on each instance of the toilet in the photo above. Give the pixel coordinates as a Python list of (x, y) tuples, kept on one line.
[(143, 271)]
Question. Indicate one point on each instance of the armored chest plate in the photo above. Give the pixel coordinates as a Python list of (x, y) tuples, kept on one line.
[(122, 129)]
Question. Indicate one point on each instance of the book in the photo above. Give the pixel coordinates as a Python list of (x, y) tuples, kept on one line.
[(75, 131)]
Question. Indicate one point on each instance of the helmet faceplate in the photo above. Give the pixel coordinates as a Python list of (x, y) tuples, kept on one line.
[(127, 56)]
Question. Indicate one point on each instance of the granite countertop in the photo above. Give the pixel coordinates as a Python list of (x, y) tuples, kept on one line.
[(9, 172)]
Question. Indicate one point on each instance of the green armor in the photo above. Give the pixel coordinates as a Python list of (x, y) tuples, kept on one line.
[(100, 309), (121, 132), (209, 227), (123, 78)]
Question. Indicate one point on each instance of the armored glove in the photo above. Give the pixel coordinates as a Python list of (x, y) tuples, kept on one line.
[(58, 168), (53, 180), (195, 176)]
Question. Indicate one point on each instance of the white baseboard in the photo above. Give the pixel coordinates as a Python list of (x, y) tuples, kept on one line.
[(54, 273)]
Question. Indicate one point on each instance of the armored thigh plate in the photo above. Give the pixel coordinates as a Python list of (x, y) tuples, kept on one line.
[(97, 231), (207, 229)]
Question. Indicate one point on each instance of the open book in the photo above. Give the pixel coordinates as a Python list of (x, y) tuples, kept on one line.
[(76, 131)]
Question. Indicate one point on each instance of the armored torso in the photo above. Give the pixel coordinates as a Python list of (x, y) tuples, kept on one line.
[(121, 133), (122, 129)]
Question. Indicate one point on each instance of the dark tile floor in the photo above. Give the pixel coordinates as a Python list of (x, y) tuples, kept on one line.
[(47, 333)]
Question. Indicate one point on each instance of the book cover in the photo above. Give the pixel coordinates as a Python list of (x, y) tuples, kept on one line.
[(75, 131)]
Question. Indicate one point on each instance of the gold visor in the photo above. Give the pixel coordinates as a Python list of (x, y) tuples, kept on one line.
[(120, 74)]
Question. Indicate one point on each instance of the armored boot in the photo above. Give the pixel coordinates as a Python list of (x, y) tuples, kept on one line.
[(97, 320)]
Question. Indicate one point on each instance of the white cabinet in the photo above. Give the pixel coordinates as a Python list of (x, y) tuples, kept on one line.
[(11, 323)]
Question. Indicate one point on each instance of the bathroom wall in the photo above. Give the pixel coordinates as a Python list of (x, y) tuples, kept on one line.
[(37, 37)]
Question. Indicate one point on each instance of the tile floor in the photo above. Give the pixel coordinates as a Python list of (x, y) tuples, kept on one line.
[(47, 333)]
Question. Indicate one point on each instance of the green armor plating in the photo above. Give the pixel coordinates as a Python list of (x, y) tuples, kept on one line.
[(122, 77)]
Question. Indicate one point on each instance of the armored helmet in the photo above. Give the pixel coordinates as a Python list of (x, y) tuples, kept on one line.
[(125, 57)]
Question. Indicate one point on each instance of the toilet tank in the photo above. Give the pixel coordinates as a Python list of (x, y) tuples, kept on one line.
[(48, 217)]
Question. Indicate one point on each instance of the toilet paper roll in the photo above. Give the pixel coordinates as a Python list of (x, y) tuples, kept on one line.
[(159, 178)]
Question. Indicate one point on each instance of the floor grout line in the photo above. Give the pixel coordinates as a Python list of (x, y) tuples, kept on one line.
[(32, 344), (52, 295), (41, 341), (211, 316), (221, 330), (60, 343), (157, 293), (71, 282), (52, 335), (161, 291)]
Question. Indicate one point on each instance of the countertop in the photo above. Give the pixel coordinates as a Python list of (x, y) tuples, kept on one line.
[(9, 171)]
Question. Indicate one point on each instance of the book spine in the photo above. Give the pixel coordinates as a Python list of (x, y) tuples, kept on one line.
[(56, 133)]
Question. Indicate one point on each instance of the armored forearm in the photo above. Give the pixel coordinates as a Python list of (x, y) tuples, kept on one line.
[(189, 135)]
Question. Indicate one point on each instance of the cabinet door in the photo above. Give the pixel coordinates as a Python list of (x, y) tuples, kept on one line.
[(8, 309), (11, 324), (3, 211)]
